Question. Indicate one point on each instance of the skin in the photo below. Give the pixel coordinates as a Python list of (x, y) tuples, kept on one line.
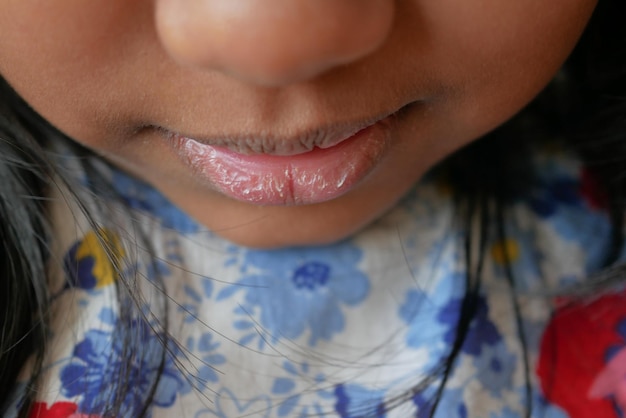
[(106, 72)]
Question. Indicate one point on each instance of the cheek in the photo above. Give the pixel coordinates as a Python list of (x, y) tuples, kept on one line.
[(63, 57), (498, 55), (77, 60)]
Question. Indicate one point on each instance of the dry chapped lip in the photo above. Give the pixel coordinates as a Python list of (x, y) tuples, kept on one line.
[(302, 171)]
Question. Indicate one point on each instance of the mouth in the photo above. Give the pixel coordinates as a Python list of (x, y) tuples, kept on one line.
[(317, 166)]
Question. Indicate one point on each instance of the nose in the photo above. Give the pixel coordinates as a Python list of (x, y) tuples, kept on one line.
[(272, 42)]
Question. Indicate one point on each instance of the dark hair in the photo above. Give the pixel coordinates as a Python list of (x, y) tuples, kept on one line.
[(34, 155), (584, 110), (584, 107)]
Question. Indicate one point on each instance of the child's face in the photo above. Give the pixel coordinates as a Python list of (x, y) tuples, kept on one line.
[(129, 79)]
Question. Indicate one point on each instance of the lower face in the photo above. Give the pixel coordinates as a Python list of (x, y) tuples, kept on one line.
[(297, 160)]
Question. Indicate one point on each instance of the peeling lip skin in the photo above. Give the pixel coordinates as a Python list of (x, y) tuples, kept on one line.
[(313, 168)]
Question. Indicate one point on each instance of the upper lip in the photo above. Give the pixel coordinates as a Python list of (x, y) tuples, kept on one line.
[(302, 142)]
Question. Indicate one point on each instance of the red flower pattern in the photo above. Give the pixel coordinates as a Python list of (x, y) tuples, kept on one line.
[(56, 410), (573, 367)]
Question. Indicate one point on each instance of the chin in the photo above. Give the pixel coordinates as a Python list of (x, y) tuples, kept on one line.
[(303, 226), (269, 238)]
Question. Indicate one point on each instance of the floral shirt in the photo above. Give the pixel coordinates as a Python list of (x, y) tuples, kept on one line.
[(360, 328)]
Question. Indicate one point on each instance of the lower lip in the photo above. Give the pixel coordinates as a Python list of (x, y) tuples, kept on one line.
[(312, 177)]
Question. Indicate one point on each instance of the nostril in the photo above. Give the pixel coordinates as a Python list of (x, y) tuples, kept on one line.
[(272, 42)]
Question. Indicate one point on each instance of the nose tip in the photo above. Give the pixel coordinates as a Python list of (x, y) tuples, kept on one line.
[(272, 42)]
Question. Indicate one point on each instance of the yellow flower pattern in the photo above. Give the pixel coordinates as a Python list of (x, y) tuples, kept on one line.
[(102, 250), (504, 251)]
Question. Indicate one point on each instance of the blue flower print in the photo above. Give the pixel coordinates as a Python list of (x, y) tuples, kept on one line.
[(555, 192), (354, 401), (558, 184), (141, 196), (205, 349), (482, 331), (520, 252), (433, 322), (590, 230), (614, 349), (495, 367), (287, 388), (546, 408), (451, 404), (191, 306), (297, 290), (423, 329), (227, 405), (99, 363), (560, 199), (88, 263), (505, 413), (422, 311)]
